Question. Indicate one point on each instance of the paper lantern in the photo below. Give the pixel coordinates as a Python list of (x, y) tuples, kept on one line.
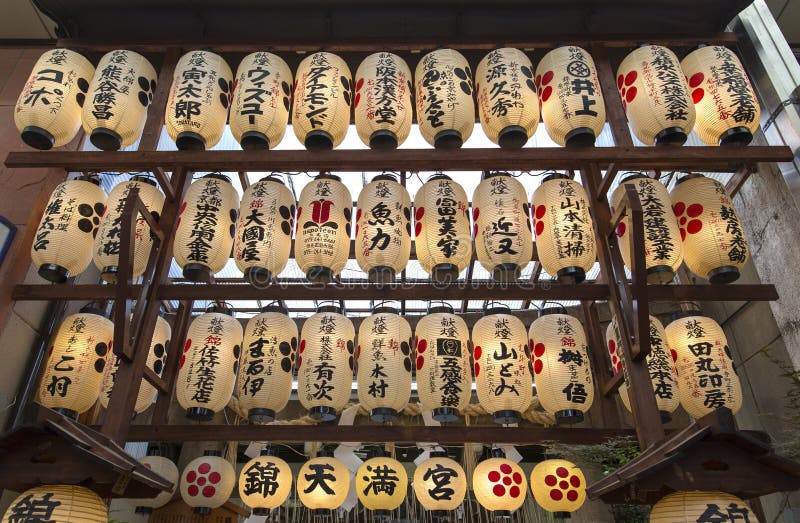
[(383, 110), (206, 227), (655, 96), (440, 483), (107, 243), (261, 101), (564, 235), (443, 241), (322, 242), (561, 368), (197, 107), (165, 468), (120, 93), (714, 243), (558, 486), (499, 485), (662, 245), (381, 484), (572, 105), (57, 503), (264, 230), (265, 382), (265, 483), (383, 228), (445, 109), (502, 223), (707, 379), (207, 482), (323, 92), (323, 483), (62, 245), (325, 364), (384, 364), (48, 110), (76, 361), (444, 381), (698, 506), (209, 363), (727, 108)]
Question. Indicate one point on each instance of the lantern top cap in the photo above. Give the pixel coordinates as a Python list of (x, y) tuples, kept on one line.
[(272, 178), (94, 307), (327, 176), (689, 176), (216, 453), (496, 452), (217, 176), (220, 308), (330, 308), (492, 174), (385, 177), (91, 178), (143, 178), (437, 176), (438, 453), (556, 176), (384, 309), (440, 308), (325, 452), (675, 316), (495, 308), (553, 310), (268, 450), (275, 307), (633, 176), (154, 450)]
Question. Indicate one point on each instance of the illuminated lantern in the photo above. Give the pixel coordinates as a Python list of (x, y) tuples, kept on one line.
[(382, 102), (76, 361), (707, 379), (207, 482), (444, 382), (120, 93), (48, 110), (502, 222), (572, 105), (62, 246), (663, 251), (265, 483), (323, 91), (440, 483), (210, 360), (697, 506), (165, 468), (558, 486), (323, 483), (323, 218), (261, 101), (383, 228), (206, 227), (443, 241), (264, 230), (499, 485), (57, 503), (564, 235), (381, 484), (714, 243), (265, 383), (445, 109)]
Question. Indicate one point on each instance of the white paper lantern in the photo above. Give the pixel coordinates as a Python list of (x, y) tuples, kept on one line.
[(381, 485), (698, 506), (499, 485), (265, 482), (165, 468), (57, 503), (323, 483), (558, 486), (207, 482), (323, 92), (383, 110), (440, 483)]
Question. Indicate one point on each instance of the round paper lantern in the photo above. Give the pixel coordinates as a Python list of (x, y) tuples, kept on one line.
[(76, 362), (264, 230), (445, 109), (109, 236), (558, 486), (440, 483), (727, 108), (564, 234), (499, 485), (323, 483), (206, 227), (322, 242), (48, 110), (383, 228), (381, 484), (561, 368), (261, 101), (714, 243), (655, 96), (502, 223), (572, 105), (382, 102), (209, 363), (120, 93), (165, 468), (323, 92), (62, 246), (59, 503), (663, 250), (265, 483), (443, 241), (207, 482), (265, 382), (707, 379), (694, 506)]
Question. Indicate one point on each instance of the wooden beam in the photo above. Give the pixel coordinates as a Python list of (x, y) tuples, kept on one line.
[(155, 115), (615, 114), (739, 177), (170, 374), (600, 369)]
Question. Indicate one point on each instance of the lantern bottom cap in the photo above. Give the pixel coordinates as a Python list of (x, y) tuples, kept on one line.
[(260, 416), (445, 414), (501, 514), (54, 273), (562, 515), (106, 139), (660, 274), (506, 272), (189, 141), (261, 512), (321, 513), (568, 417), (383, 140), (254, 141), (67, 413), (197, 272), (571, 275), (37, 138), (438, 513), (444, 273), (382, 274), (199, 413), (203, 511), (665, 416), (671, 136), (737, 136), (383, 415), (109, 273), (382, 514), (319, 274), (580, 137), (507, 417), (322, 413), (512, 137), (724, 274), (143, 510), (448, 140), (258, 276), (318, 141)]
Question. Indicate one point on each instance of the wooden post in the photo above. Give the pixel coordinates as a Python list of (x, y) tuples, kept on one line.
[(170, 375)]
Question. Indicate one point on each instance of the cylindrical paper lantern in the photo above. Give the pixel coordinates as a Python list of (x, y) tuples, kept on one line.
[(120, 93), (383, 228), (206, 227), (445, 109), (502, 223), (382, 103), (323, 483), (165, 468), (655, 96), (558, 486), (727, 108), (381, 484), (62, 246), (440, 483), (48, 110), (564, 234), (707, 379), (714, 243), (207, 482), (695, 506), (264, 483), (499, 485), (261, 101), (57, 503), (323, 92), (572, 105)]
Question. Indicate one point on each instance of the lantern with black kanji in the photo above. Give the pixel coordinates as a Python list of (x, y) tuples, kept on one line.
[(383, 110), (440, 484), (62, 244), (558, 486), (697, 506), (499, 485), (443, 90), (165, 468), (265, 482), (323, 483), (714, 243), (207, 482), (116, 105), (572, 105), (323, 93), (381, 485), (209, 363), (57, 503), (48, 110), (206, 227)]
